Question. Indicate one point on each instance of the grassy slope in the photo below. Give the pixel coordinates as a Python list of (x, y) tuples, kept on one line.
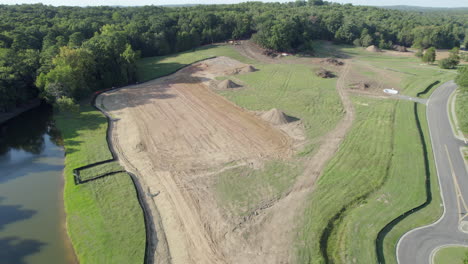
[(403, 188), (451, 255), (354, 171), (154, 67), (104, 220), (461, 108)]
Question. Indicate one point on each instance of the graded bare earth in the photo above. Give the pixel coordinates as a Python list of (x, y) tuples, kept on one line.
[(174, 133)]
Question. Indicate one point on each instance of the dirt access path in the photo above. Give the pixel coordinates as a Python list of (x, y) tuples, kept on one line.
[(276, 226)]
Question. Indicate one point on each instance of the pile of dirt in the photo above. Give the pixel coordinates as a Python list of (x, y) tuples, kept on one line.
[(270, 53), (246, 69), (226, 84), (275, 117), (325, 73), (373, 48), (361, 86), (333, 61), (400, 48)]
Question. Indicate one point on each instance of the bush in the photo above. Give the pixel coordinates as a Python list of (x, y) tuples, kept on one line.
[(448, 63), (66, 104), (419, 53)]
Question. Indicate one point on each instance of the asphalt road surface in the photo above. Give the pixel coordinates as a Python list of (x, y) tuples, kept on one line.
[(419, 245)]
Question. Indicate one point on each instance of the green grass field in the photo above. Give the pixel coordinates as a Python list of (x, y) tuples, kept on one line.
[(358, 168), (377, 174), (451, 255), (104, 219), (242, 189)]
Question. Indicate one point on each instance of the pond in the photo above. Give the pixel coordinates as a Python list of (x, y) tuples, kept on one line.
[(32, 219)]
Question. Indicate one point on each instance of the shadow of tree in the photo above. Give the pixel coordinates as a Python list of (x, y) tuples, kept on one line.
[(15, 250), (25, 167), (13, 213)]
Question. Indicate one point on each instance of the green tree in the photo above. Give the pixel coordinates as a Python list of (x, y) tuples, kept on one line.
[(72, 75), (419, 53), (430, 55), (67, 104)]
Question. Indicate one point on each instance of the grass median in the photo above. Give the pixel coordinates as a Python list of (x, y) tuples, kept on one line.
[(451, 255), (104, 219)]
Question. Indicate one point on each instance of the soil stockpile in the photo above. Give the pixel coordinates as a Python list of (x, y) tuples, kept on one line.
[(333, 61), (227, 84), (373, 48), (275, 117), (325, 73), (246, 69)]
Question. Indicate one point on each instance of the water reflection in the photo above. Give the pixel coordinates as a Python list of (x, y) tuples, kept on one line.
[(26, 132), (12, 213), (31, 181), (15, 250)]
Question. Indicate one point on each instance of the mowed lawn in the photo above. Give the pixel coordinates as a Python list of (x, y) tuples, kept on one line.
[(378, 174), (104, 219), (358, 169), (451, 255)]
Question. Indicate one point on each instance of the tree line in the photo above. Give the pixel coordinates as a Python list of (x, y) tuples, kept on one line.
[(67, 52)]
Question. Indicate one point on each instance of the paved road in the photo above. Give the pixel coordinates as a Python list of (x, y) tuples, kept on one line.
[(418, 245)]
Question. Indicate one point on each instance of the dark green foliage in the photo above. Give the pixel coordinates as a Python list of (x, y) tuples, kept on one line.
[(430, 55), (32, 37)]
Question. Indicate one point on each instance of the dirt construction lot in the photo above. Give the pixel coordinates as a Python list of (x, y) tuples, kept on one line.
[(175, 133)]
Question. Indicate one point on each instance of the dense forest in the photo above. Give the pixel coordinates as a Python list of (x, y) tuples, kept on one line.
[(58, 53)]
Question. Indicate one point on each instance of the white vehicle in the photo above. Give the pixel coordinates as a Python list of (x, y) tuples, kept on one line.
[(390, 91)]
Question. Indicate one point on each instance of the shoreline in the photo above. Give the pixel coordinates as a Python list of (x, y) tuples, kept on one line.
[(4, 117)]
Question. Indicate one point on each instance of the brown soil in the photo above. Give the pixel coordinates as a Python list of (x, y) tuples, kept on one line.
[(171, 133), (275, 117), (373, 48), (227, 84), (323, 73), (173, 128)]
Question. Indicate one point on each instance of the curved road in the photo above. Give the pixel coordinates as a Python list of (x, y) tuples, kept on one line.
[(418, 245)]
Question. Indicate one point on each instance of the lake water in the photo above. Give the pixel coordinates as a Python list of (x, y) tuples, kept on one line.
[(32, 222)]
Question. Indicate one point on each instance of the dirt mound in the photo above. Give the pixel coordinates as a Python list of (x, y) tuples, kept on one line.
[(400, 48), (325, 73), (373, 48), (361, 86), (246, 69), (275, 117), (333, 61), (226, 84)]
